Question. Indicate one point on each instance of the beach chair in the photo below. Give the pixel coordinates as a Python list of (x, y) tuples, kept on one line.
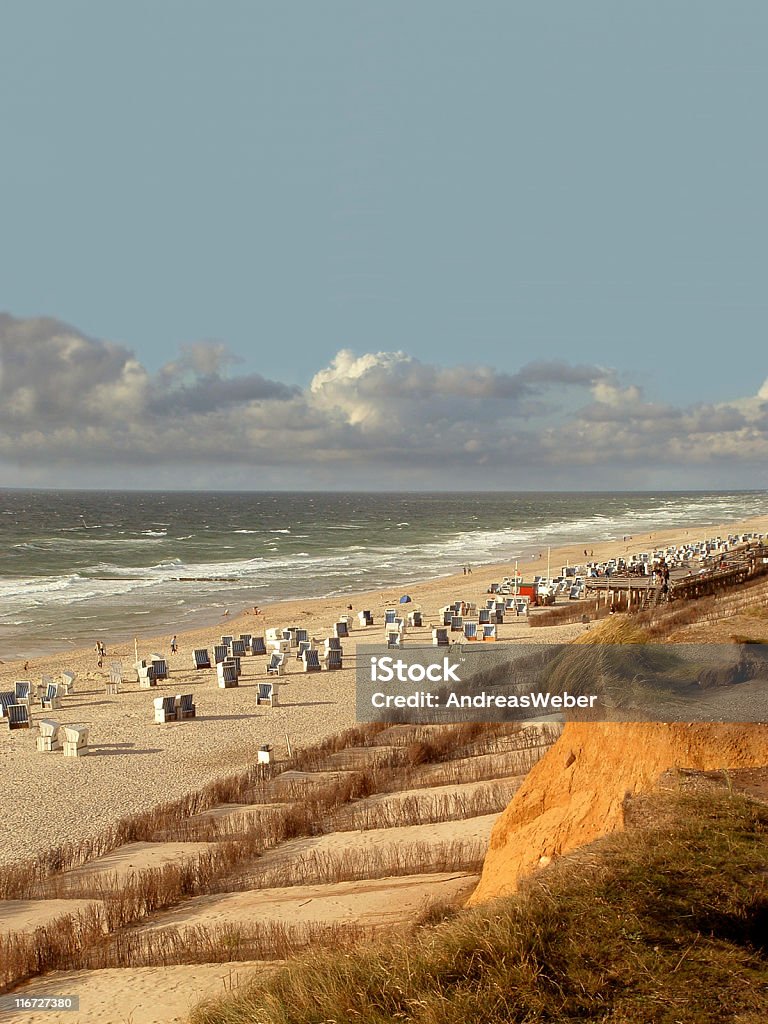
[(470, 630), (220, 653), (332, 643), (226, 641), (266, 694), (489, 632), (394, 639), (304, 645), (226, 673), (273, 633), (237, 647), (18, 716), (257, 645), (365, 618), (341, 629), (484, 616), (289, 634), (415, 619), (146, 677), (49, 738), (301, 636), (159, 666), (165, 709), (51, 700), (332, 659), (75, 740), (457, 624), (447, 616), (389, 616), (184, 707), (497, 618), (279, 646), (246, 638), (275, 664), (440, 637), (115, 677), (7, 697), (311, 661), (202, 658), (22, 690), (68, 682)]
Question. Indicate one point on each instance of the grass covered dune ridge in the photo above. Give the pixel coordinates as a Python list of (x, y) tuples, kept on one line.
[(664, 922)]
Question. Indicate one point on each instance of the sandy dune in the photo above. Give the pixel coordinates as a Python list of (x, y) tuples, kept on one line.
[(26, 915), (137, 995), (376, 902)]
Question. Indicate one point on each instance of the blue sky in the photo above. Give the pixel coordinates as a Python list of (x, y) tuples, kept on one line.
[(470, 184)]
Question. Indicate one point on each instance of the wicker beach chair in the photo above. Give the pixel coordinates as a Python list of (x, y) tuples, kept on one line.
[(75, 740), (470, 630), (50, 736), (333, 659), (266, 693), (226, 673), (275, 664), (237, 648), (220, 653), (440, 637), (165, 709), (341, 629), (311, 660), (184, 707), (201, 658), (159, 666), (18, 716), (257, 645), (50, 699), (68, 682), (23, 691)]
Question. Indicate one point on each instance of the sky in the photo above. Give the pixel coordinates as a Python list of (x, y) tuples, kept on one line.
[(509, 245)]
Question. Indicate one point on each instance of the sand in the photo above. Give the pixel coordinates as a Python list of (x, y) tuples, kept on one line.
[(26, 915), (379, 902), (135, 764), (135, 995)]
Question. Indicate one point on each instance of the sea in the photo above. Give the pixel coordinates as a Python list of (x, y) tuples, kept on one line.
[(81, 566)]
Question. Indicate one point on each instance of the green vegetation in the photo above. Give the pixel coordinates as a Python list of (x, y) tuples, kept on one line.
[(656, 925)]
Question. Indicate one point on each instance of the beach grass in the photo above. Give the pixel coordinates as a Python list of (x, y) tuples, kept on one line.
[(658, 924)]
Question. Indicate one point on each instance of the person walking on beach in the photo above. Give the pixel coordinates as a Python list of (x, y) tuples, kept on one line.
[(174, 644)]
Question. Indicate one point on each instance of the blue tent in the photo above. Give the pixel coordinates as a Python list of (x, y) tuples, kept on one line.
[(405, 599)]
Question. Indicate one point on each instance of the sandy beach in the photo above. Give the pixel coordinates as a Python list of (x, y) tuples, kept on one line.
[(134, 764)]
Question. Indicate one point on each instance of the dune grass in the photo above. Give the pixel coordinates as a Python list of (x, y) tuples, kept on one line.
[(651, 926)]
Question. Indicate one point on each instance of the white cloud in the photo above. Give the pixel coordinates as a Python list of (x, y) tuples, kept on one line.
[(66, 398)]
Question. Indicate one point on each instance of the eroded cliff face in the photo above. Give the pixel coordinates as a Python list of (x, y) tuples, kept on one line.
[(576, 793)]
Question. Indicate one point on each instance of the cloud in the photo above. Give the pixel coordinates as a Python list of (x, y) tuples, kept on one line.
[(385, 417)]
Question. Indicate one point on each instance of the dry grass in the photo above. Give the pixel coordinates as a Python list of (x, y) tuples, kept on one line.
[(411, 760), (647, 927)]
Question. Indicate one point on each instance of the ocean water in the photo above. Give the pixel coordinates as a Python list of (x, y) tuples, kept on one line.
[(80, 566)]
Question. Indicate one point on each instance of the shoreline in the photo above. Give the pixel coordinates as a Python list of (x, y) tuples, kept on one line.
[(243, 620)]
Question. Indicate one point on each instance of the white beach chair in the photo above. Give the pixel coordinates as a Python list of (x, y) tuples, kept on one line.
[(49, 738), (165, 709), (68, 682), (75, 740), (275, 664), (226, 674), (267, 694)]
